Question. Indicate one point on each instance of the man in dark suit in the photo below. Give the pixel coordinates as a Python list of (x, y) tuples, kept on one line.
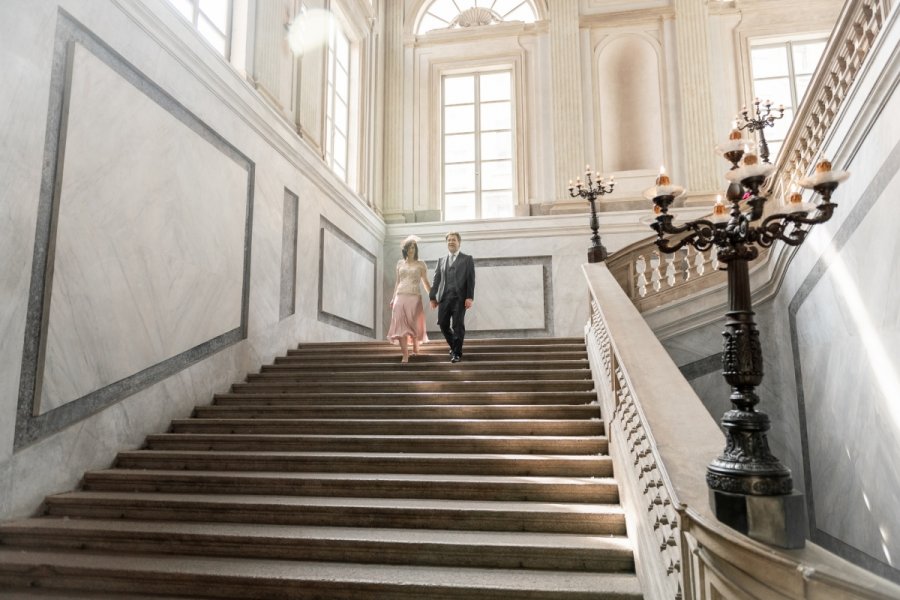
[(452, 293)]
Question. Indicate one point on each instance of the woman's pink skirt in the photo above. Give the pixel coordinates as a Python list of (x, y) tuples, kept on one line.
[(407, 318)]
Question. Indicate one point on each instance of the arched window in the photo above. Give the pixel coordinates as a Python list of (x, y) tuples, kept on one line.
[(452, 14)]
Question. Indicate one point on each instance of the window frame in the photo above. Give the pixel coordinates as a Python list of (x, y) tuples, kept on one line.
[(331, 97), (477, 132), (787, 43), (197, 14)]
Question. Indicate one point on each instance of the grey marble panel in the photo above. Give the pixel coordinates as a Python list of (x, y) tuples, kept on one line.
[(845, 339), (347, 275), (288, 297), (125, 253), (513, 298)]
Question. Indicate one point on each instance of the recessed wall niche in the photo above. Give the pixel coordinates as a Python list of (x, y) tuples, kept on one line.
[(630, 104)]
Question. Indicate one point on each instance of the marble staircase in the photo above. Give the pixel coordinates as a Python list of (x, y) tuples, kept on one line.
[(338, 472)]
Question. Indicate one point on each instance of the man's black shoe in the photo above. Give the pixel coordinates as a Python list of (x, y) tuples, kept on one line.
[(454, 358)]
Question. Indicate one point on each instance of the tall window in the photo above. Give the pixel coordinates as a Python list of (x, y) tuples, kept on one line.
[(212, 18), (478, 146), (781, 73), (337, 114)]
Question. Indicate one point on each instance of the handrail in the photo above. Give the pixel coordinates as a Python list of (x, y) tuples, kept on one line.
[(661, 438), (669, 278)]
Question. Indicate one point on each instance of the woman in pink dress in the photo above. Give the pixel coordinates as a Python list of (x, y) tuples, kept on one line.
[(407, 313)]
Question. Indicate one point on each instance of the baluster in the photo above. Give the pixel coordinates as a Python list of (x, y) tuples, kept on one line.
[(655, 275), (686, 263), (640, 267), (670, 270), (700, 263)]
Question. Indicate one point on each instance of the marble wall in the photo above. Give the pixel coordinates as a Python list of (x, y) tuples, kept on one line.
[(347, 279), (143, 229), (136, 253)]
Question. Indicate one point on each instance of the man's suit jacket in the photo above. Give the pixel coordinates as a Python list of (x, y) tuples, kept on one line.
[(461, 276)]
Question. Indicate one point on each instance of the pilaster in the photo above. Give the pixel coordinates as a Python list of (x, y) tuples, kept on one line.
[(695, 90), (568, 113), (392, 155)]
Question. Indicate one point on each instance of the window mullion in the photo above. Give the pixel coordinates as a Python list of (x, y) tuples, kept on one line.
[(477, 109), (792, 75)]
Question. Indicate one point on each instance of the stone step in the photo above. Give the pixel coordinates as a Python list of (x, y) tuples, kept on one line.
[(359, 485), (467, 549), (413, 374), (470, 341), (420, 367), (261, 579), (424, 385), (406, 398), (452, 444), (540, 517), (47, 594), (372, 411), (513, 465), (391, 350), (437, 356), (339, 473), (525, 427)]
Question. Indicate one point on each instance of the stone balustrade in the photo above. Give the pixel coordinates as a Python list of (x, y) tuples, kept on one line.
[(661, 439)]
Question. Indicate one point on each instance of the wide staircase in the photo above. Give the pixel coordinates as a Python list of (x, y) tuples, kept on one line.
[(338, 472)]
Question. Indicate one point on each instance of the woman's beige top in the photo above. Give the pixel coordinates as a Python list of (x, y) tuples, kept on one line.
[(409, 275)]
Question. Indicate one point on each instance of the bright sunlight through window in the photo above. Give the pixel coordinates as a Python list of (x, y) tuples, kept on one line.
[(478, 157)]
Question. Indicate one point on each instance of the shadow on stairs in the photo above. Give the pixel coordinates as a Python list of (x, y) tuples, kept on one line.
[(338, 472)]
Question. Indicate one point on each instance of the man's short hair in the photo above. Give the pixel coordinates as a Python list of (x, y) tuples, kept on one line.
[(449, 233)]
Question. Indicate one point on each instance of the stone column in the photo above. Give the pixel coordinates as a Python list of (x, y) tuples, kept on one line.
[(568, 112), (695, 90), (392, 152)]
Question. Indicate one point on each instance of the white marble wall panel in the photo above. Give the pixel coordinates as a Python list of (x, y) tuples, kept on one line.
[(348, 281), (508, 297), (851, 382), (149, 242)]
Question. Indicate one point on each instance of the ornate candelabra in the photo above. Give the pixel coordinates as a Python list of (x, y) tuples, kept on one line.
[(591, 189), (744, 479), (758, 120)]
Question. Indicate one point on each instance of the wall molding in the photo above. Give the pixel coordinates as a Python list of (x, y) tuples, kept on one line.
[(546, 262), (31, 427), (330, 318)]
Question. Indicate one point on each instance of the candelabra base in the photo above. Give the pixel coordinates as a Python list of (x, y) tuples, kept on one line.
[(775, 520), (597, 254)]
